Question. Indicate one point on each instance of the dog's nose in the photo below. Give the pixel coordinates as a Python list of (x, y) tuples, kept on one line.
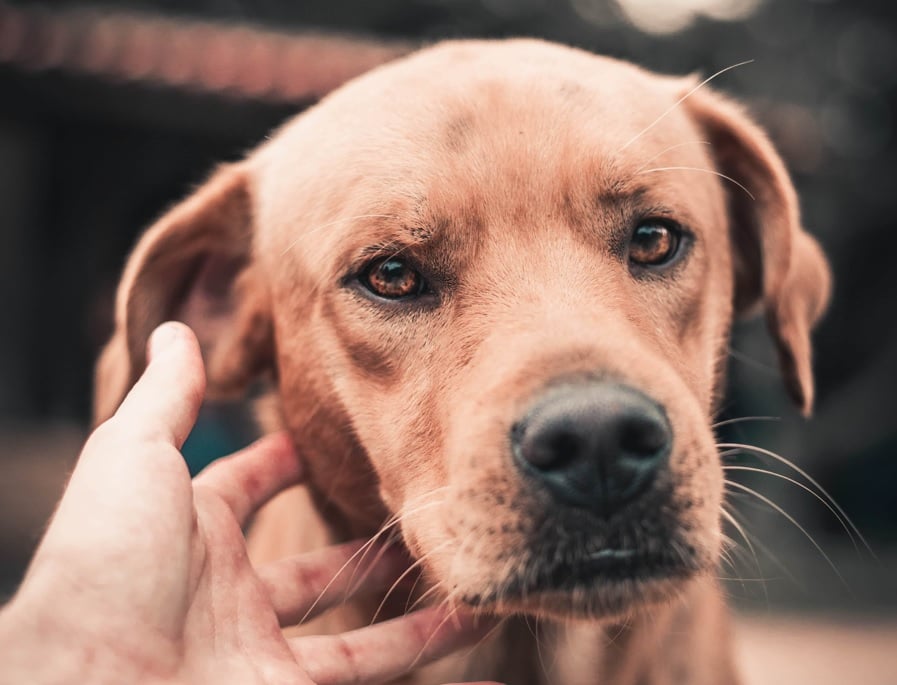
[(595, 446)]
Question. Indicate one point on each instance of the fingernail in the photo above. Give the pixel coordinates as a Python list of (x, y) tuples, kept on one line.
[(163, 337)]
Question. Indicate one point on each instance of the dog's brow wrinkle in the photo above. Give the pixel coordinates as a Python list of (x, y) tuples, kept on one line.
[(622, 193)]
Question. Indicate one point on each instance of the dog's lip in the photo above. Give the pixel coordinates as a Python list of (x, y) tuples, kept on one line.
[(606, 565), (604, 555), (603, 569)]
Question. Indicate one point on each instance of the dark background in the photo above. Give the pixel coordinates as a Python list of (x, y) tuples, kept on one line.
[(90, 155)]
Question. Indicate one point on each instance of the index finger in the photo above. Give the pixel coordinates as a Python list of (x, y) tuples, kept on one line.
[(387, 650), (249, 478)]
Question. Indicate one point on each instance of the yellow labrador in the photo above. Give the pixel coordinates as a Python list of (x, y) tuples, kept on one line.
[(492, 286)]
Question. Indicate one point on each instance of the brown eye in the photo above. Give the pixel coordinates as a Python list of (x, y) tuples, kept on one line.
[(392, 279), (653, 243)]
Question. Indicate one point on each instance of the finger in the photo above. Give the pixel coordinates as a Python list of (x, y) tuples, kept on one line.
[(131, 461), (305, 586), (247, 479), (164, 403), (387, 650)]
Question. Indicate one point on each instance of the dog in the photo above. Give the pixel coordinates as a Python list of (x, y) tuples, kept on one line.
[(491, 286)]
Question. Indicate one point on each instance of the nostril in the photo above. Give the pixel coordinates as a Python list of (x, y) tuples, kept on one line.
[(552, 449), (546, 445), (644, 435), (565, 445)]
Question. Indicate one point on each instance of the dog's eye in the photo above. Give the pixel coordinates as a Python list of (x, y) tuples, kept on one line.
[(393, 279), (653, 243)]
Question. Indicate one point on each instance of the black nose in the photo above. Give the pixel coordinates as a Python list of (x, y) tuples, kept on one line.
[(596, 445)]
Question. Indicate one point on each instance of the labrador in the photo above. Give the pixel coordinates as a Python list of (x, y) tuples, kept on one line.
[(490, 287)]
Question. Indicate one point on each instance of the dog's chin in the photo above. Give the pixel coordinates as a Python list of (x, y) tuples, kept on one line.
[(607, 585), (614, 601)]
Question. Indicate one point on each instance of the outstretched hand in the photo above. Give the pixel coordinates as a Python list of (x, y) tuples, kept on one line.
[(143, 573)]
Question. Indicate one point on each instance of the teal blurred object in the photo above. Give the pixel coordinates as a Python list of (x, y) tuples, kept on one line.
[(219, 431)]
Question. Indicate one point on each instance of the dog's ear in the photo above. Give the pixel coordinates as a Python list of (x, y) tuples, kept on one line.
[(194, 265), (777, 264)]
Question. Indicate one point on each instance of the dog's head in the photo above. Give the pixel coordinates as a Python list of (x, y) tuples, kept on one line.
[(494, 284)]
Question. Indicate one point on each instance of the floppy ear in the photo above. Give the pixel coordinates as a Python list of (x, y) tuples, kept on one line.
[(194, 265), (777, 264)]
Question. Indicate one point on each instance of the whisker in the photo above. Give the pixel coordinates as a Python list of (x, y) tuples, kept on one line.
[(488, 635), (423, 649), (670, 148), (404, 575), (738, 527), (769, 554), (412, 591), (678, 102), (423, 597), (335, 576), (753, 363), (622, 628), (794, 522), (363, 551), (397, 518), (706, 171), (720, 424), (354, 585), (726, 551), (822, 491), (535, 633), (802, 487)]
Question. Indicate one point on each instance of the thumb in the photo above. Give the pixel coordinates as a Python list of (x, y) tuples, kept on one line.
[(164, 403), (130, 493)]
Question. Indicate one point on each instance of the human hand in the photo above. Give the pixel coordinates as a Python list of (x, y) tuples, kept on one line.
[(143, 576)]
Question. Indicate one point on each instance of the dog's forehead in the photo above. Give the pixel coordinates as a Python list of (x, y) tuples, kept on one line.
[(442, 96), (502, 125)]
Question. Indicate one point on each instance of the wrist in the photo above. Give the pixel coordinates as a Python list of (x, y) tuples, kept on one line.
[(36, 650), (44, 643), (46, 640)]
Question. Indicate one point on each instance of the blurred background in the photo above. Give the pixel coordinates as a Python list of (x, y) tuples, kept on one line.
[(109, 113)]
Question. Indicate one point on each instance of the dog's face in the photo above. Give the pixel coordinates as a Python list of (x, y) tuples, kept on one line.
[(495, 283)]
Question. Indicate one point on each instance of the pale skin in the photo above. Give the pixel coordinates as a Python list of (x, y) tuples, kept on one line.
[(143, 576)]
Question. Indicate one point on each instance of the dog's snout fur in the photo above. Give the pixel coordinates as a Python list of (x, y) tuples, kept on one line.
[(504, 183)]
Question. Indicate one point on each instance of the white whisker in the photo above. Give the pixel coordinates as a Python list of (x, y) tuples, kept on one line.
[(404, 575), (671, 148), (719, 424), (706, 171), (363, 550), (810, 479), (794, 522), (678, 102), (828, 506), (735, 524)]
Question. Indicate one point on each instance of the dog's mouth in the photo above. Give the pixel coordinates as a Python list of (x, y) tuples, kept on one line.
[(579, 566), (601, 581), (592, 569)]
